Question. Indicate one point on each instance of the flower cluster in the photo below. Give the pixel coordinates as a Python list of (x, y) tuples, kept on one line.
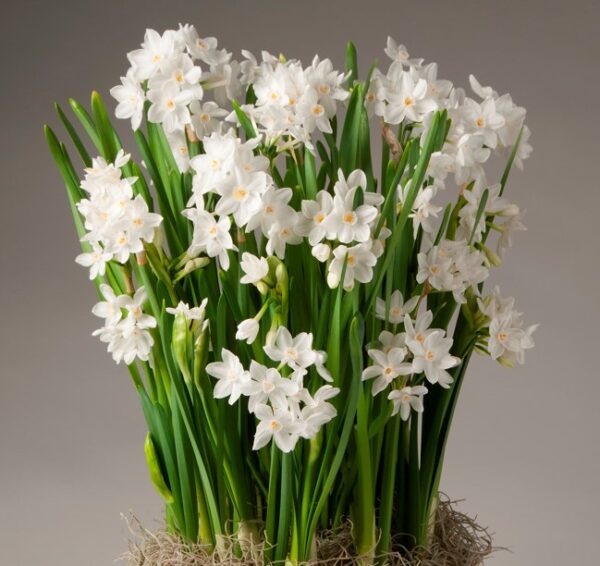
[(285, 408), (291, 101), (118, 223), (508, 338), (409, 356), (128, 337)]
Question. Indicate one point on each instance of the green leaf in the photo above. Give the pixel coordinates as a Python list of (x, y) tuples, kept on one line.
[(351, 64)]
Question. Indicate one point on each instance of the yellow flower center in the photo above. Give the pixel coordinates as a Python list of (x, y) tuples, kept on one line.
[(502, 337), (240, 193), (170, 104), (480, 122), (429, 355), (349, 217), (317, 110), (408, 101), (204, 117), (319, 218), (324, 89), (351, 260)]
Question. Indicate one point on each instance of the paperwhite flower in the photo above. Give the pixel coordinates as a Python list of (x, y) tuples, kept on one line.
[(130, 97), (509, 340), (312, 113), (274, 208), (388, 366), (435, 268), (389, 341), (407, 399), (346, 223), (282, 233), (247, 330), (398, 308), (126, 343), (320, 360), (210, 235), (156, 51), (432, 357), (278, 424), (110, 308), (424, 212), (483, 119), (314, 213), (141, 223), (253, 267), (231, 375), (327, 83), (181, 72), (242, 195), (407, 100), (399, 53), (317, 410), (193, 313), (96, 260), (267, 385), (321, 252), (420, 330), (206, 117), (136, 316), (508, 337), (359, 262), (294, 351), (170, 106)]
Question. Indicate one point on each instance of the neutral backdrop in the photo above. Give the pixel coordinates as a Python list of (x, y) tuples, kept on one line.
[(524, 452)]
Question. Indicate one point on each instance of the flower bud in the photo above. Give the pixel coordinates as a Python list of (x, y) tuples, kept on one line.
[(191, 266), (179, 340), (156, 475), (247, 330)]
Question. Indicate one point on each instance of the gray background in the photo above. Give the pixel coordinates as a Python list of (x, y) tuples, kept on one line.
[(524, 449)]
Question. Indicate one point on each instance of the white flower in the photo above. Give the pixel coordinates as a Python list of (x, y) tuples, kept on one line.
[(110, 308), (314, 213), (193, 313), (294, 351), (254, 268), (130, 97), (96, 260), (274, 208), (170, 106), (389, 341), (321, 252), (210, 235), (317, 410), (483, 119), (267, 385), (359, 261), (278, 424), (407, 399), (156, 52), (420, 330), (179, 147), (282, 233), (231, 375), (344, 222), (508, 340), (247, 330), (399, 53), (388, 366), (398, 308), (126, 342), (327, 84), (435, 268), (320, 360), (141, 222), (134, 306), (206, 117), (312, 113), (181, 72), (424, 212), (242, 196), (407, 100), (432, 357)]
